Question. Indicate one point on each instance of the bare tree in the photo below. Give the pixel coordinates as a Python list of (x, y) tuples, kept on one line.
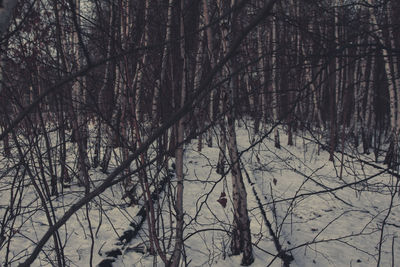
[(6, 11), (241, 234)]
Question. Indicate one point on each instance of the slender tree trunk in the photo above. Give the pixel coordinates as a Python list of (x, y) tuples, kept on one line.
[(176, 255), (103, 107), (39, 119), (211, 56), (4, 111), (274, 80), (142, 66), (222, 134), (261, 67), (157, 102), (241, 234), (334, 87), (295, 39), (357, 76), (332, 114), (60, 98), (363, 91), (222, 100), (80, 127), (367, 122), (252, 100), (339, 82), (6, 12), (393, 84), (65, 178), (311, 77), (113, 137), (199, 114)]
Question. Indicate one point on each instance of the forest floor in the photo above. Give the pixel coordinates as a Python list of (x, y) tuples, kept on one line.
[(322, 218)]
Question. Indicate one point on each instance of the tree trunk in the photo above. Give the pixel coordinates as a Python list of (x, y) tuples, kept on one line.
[(4, 111), (210, 40), (157, 102), (274, 80), (393, 84), (60, 98), (241, 234), (176, 255), (126, 83), (6, 12), (222, 133), (367, 122), (111, 129), (332, 114), (261, 67), (142, 66), (80, 127), (199, 114), (222, 100), (102, 102)]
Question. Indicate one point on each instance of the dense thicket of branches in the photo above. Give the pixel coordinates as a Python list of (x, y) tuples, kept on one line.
[(81, 80)]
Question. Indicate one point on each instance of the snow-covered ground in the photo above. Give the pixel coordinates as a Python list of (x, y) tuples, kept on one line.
[(322, 219)]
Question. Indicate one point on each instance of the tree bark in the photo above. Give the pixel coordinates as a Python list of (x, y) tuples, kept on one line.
[(176, 255), (210, 49), (101, 101), (241, 234), (261, 67), (80, 127), (393, 85), (274, 80), (6, 12)]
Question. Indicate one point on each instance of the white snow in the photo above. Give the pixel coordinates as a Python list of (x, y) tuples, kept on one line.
[(318, 219)]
